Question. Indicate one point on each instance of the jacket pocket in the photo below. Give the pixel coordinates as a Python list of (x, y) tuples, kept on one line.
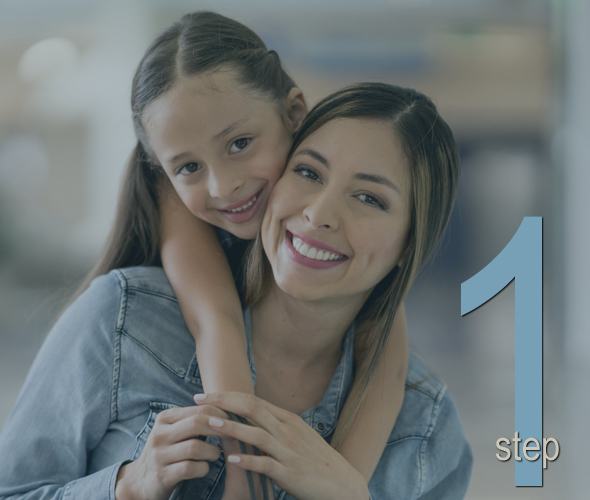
[(155, 408)]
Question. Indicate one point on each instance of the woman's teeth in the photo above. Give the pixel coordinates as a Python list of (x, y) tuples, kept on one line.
[(245, 207), (312, 252)]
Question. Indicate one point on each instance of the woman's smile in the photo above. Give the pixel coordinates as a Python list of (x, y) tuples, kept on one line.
[(312, 253), (337, 220)]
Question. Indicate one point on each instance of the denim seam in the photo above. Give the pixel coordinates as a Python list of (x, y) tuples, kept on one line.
[(66, 491), (151, 292), (221, 469), (112, 482), (123, 303), (143, 429), (389, 443), (426, 393), (433, 419), (117, 348), (123, 332), (340, 391)]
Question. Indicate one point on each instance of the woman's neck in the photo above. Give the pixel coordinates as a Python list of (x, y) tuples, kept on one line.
[(301, 334), (297, 347)]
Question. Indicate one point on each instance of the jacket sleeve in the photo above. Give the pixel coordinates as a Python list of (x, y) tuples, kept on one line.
[(66, 405), (448, 459)]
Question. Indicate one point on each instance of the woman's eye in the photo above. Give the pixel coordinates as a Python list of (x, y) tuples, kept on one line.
[(307, 173), (239, 145), (188, 169), (372, 201)]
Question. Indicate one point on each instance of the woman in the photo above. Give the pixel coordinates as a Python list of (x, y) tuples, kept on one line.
[(371, 177)]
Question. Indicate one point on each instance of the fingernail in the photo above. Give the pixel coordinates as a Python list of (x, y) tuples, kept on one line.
[(199, 397), (233, 459), (215, 422)]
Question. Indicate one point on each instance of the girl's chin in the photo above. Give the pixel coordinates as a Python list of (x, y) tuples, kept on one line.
[(247, 231)]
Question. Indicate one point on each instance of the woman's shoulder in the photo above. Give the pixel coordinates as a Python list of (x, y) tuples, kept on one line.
[(424, 394), (142, 279), (428, 439)]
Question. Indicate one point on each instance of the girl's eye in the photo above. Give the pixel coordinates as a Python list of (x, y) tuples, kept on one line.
[(188, 169), (372, 201), (239, 145), (307, 173)]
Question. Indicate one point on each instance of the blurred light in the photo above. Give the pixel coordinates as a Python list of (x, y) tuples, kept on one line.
[(24, 167), (47, 57)]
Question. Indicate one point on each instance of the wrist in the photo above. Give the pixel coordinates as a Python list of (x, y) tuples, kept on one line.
[(123, 490), (361, 490)]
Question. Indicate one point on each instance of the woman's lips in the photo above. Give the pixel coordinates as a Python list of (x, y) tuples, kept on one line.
[(243, 211), (299, 244)]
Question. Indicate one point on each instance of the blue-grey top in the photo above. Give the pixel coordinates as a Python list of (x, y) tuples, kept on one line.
[(122, 353)]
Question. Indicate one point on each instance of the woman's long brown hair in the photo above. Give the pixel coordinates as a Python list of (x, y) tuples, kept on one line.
[(434, 168)]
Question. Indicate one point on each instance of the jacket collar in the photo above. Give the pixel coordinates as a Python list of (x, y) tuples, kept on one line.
[(324, 416)]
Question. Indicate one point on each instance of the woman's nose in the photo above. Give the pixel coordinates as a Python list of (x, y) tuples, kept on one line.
[(224, 184), (322, 212)]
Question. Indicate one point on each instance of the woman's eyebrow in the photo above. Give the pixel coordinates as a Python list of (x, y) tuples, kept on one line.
[(315, 155), (378, 179)]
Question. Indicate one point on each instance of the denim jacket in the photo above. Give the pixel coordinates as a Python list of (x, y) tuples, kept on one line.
[(122, 353)]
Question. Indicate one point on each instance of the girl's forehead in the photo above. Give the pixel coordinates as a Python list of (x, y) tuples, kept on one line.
[(206, 102)]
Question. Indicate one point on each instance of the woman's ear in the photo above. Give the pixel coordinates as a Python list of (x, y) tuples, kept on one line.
[(296, 108), (403, 257)]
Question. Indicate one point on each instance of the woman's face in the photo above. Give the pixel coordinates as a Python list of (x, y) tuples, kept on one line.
[(337, 220), (222, 147)]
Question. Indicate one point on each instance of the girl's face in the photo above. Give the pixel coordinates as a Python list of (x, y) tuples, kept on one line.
[(338, 219), (222, 147)]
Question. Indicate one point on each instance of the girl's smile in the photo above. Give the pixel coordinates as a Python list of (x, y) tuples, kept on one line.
[(222, 146)]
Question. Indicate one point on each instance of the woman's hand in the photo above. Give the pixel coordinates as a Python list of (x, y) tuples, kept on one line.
[(298, 459), (171, 454)]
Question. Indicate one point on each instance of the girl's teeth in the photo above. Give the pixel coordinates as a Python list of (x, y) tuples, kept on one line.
[(312, 252), (246, 206)]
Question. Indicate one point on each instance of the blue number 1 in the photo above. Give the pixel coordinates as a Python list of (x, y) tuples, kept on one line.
[(521, 260)]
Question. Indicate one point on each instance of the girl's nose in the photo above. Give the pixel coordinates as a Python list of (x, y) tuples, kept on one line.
[(224, 184), (322, 212)]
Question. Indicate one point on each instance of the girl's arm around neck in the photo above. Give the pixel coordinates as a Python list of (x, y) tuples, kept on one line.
[(365, 441), (200, 275)]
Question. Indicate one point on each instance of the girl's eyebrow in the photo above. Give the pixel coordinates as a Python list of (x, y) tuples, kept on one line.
[(176, 158), (230, 129)]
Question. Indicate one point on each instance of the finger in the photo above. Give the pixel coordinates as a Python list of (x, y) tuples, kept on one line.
[(262, 464), (191, 449), (181, 471), (255, 436), (258, 411), (173, 415), (189, 427)]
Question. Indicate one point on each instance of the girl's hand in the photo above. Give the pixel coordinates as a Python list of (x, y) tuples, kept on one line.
[(298, 459), (172, 454)]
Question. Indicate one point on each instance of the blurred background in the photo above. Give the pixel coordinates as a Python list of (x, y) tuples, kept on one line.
[(512, 78)]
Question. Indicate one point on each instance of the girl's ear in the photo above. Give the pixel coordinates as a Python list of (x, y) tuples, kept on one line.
[(296, 108)]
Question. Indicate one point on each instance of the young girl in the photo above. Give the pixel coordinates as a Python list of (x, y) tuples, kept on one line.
[(215, 114)]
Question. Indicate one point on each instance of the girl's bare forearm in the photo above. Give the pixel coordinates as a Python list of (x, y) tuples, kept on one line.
[(200, 275)]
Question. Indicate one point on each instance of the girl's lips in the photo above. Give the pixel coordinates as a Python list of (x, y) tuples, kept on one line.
[(245, 215), (309, 262)]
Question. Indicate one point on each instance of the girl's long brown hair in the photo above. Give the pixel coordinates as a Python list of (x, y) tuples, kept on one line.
[(198, 43), (434, 168)]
